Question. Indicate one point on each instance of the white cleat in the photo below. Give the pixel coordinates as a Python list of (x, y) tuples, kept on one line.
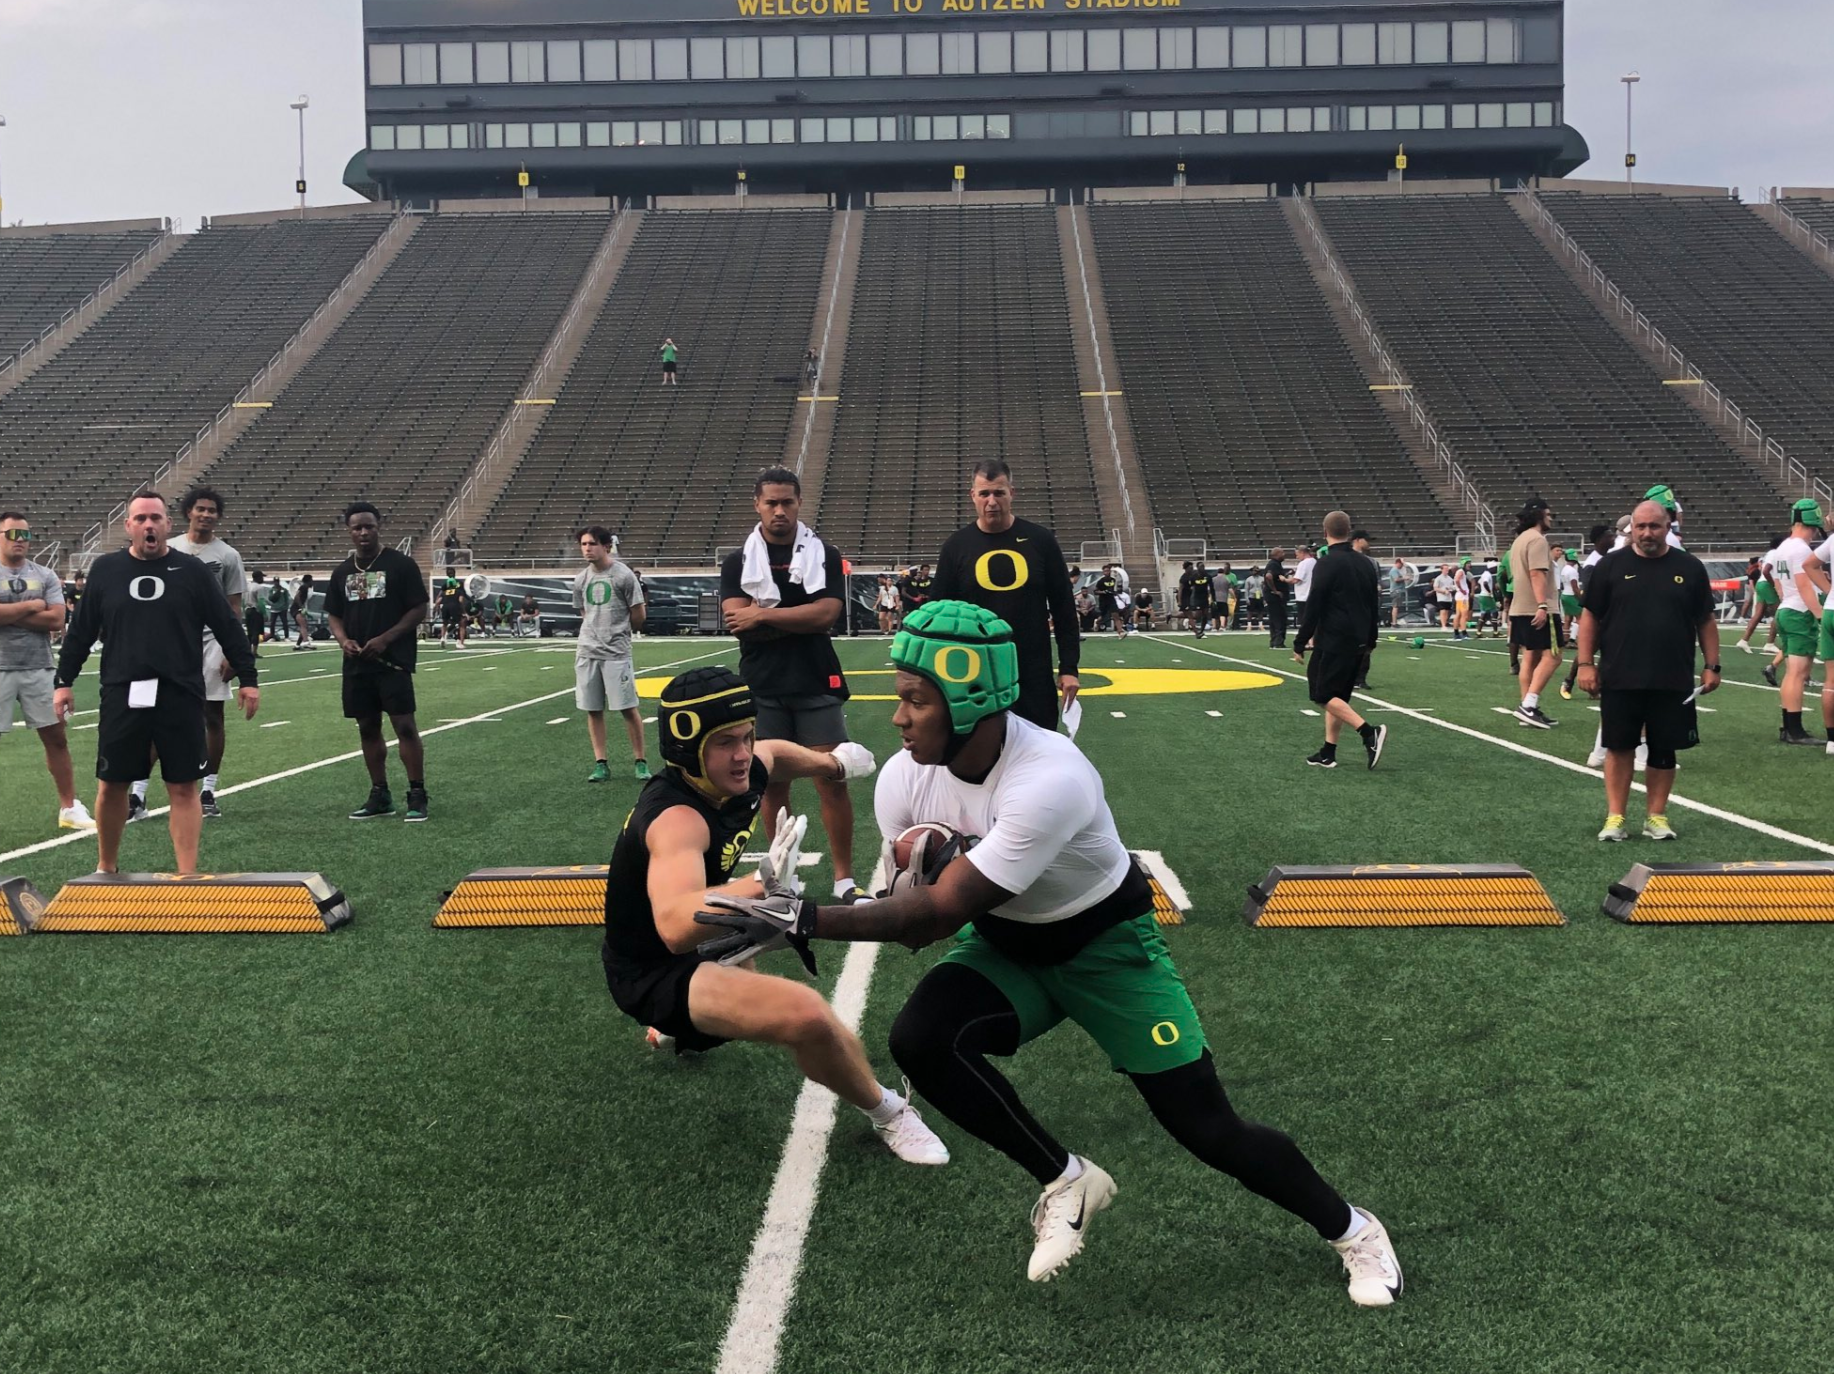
[(906, 1136), (1745, 645), (1369, 1258), (75, 817), (1060, 1220), (1596, 759)]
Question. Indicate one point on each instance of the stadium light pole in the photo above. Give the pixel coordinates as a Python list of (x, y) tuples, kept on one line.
[(1630, 158), (2, 188), (301, 105)]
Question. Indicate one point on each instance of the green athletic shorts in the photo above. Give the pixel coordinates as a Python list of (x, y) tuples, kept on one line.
[(1826, 655), (1797, 633), (1570, 608), (1767, 593), (1486, 605), (1122, 988)]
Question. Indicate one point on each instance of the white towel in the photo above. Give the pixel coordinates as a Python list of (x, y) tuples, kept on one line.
[(808, 565)]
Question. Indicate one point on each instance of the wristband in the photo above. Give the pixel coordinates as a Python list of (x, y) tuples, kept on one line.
[(1712, 668)]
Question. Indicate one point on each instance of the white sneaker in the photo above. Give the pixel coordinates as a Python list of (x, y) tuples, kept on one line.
[(1745, 645), (75, 817), (906, 1136), (1596, 759), (1060, 1219), (1369, 1258)]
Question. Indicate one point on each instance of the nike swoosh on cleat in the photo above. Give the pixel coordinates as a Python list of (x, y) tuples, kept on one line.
[(1077, 1225)]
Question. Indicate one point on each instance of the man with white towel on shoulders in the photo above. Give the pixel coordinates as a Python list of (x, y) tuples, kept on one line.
[(782, 594)]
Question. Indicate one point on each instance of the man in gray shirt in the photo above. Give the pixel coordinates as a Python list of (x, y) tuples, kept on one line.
[(202, 508), (31, 607), (609, 599)]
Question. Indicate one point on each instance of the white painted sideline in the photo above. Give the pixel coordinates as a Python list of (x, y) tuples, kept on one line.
[(769, 1282)]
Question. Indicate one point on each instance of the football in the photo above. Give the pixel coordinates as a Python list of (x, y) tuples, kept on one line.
[(921, 852)]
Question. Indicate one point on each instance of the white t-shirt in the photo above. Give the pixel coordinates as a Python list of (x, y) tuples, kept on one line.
[(1041, 820), (1302, 588), (224, 561), (1486, 583), (1443, 586), (1569, 579), (1785, 561)]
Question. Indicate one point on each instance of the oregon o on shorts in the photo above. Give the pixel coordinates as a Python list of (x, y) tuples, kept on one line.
[(1797, 634), (604, 684), (126, 738), (1767, 593), (1667, 719), (657, 995), (1122, 988), (1331, 675), (371, 693), (1524, 634), (35, 690), (216, 686), (807, 720)]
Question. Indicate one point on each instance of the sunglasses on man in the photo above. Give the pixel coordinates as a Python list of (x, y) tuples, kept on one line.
[(19, 536)]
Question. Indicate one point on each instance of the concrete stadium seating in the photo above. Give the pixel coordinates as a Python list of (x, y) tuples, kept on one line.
[(43, 276), (1818, 214)]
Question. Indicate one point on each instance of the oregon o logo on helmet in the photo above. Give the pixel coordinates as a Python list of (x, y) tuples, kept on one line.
[(684, 725), (1165, 1033), (146, 588), (944, 657), (983, 570)]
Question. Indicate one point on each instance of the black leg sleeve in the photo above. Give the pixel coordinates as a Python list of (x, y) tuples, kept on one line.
[(954, 1019), (1191, 1104)]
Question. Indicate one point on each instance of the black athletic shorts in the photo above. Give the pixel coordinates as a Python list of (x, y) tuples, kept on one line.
[(657, 995), (1038, 699), (451, 615), (370, 693), (126, 739), (1524, 635), (1669, 717), (668, 369), (1560, 630), (1332, 674)]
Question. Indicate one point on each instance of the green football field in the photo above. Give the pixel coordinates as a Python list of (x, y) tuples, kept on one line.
[(1598, 1148)]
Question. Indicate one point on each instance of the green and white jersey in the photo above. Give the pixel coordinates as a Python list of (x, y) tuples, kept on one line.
[(604, 599), (1790, 558)]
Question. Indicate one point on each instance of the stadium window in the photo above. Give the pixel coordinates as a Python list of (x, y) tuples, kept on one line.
[(812, 57), (1175, 50), (1190, 121), (1467, 40), (527, 62), (1067, 50), (563, 60), (999, 126), (920, 128), (742, 63), (888, 128), (1544, 114), (1359, 45), (436, 138), (1244, 122), (1216, 121), (865, 129), (1104, 50), (1540, 38), (1140, 50), (1395, 44), (1431, 43), (1100, 124), (598, 134), (455, 64), (957, 54), (730, 131), (407, 138), (1502, 40), (671, 60), (885, 54), (783, 130), (569, 135), (1285, 45), (1031, 51), (757, 131), (382, 138), (493, 135), (1432, 116), (1213, 47), (1490, 115), (543, 136), (672, 131), (777, 58), (385, 64), (461, 137), (974, 127), (1519, 114), (601, 59), (814, 130), (850, 55), (1299, 121), (1273, 121), (1464, 116), (1358, 115), (1033, 126), (1251, 46), (1321, 119), (419, 64), (515, 135), (922, 54), (1382, 117), (623, 133), (996, 53), (1159, 123), (1136, 124), (1407, 117), (1320, 45), (493, 64), (948, 128), (635, 59), (650, 131), (706, 59)]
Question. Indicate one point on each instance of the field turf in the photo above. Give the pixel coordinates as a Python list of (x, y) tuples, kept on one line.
[(395, 1148)]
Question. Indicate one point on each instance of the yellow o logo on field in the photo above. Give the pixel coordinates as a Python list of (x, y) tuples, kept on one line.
[(945, 657), (983, 570), (1165, 1034), (679, 719)]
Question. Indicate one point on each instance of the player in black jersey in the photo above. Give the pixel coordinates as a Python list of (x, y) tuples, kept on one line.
[(1203, 597), (685, 836)]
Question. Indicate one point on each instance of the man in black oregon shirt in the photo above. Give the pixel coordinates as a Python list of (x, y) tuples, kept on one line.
[(1276, 590), (1341, 614), (150, 606), (1646, 607), (374, 601), (1016, 569)]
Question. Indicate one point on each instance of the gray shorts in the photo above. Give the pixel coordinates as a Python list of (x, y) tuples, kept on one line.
[(604, 684), (809, 721), (32, 689)]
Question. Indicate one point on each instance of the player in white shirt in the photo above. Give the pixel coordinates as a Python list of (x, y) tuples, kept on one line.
[(1764, 601), (1052, 919), (1302, 581), (1820, 572), (1802, 584)]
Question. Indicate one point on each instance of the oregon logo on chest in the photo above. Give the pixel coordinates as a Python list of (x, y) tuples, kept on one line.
[(734, 849), (598, 593), (1002, 570)]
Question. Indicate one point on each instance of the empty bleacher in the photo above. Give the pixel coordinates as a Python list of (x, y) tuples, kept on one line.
[(76, 437), (1813, 211), (399, 403), (1534, 390), (669, 469), (42, 276), (1250, 412), (959, 349), (1745, 307)]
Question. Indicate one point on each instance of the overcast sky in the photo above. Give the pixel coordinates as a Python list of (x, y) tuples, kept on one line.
[(120, 109)]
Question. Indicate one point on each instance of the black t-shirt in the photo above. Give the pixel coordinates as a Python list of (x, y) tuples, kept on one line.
[(150, 615), (1106, 589), (1019, 574), (1649, 613), (776, 663), (1202, 592), (1342, 612), (371, 601), (451, 599), (914, 590), (631, 937), (1274, 589)]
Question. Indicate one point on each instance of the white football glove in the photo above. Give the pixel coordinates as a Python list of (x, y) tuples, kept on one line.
[(856, 760), (780, 870)]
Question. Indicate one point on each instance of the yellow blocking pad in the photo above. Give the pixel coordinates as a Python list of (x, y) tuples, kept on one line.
[(1165, 910), (1714, 894), (1401, 895), (496, 897), (1102, 682), (207, 904), (21, 906)]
